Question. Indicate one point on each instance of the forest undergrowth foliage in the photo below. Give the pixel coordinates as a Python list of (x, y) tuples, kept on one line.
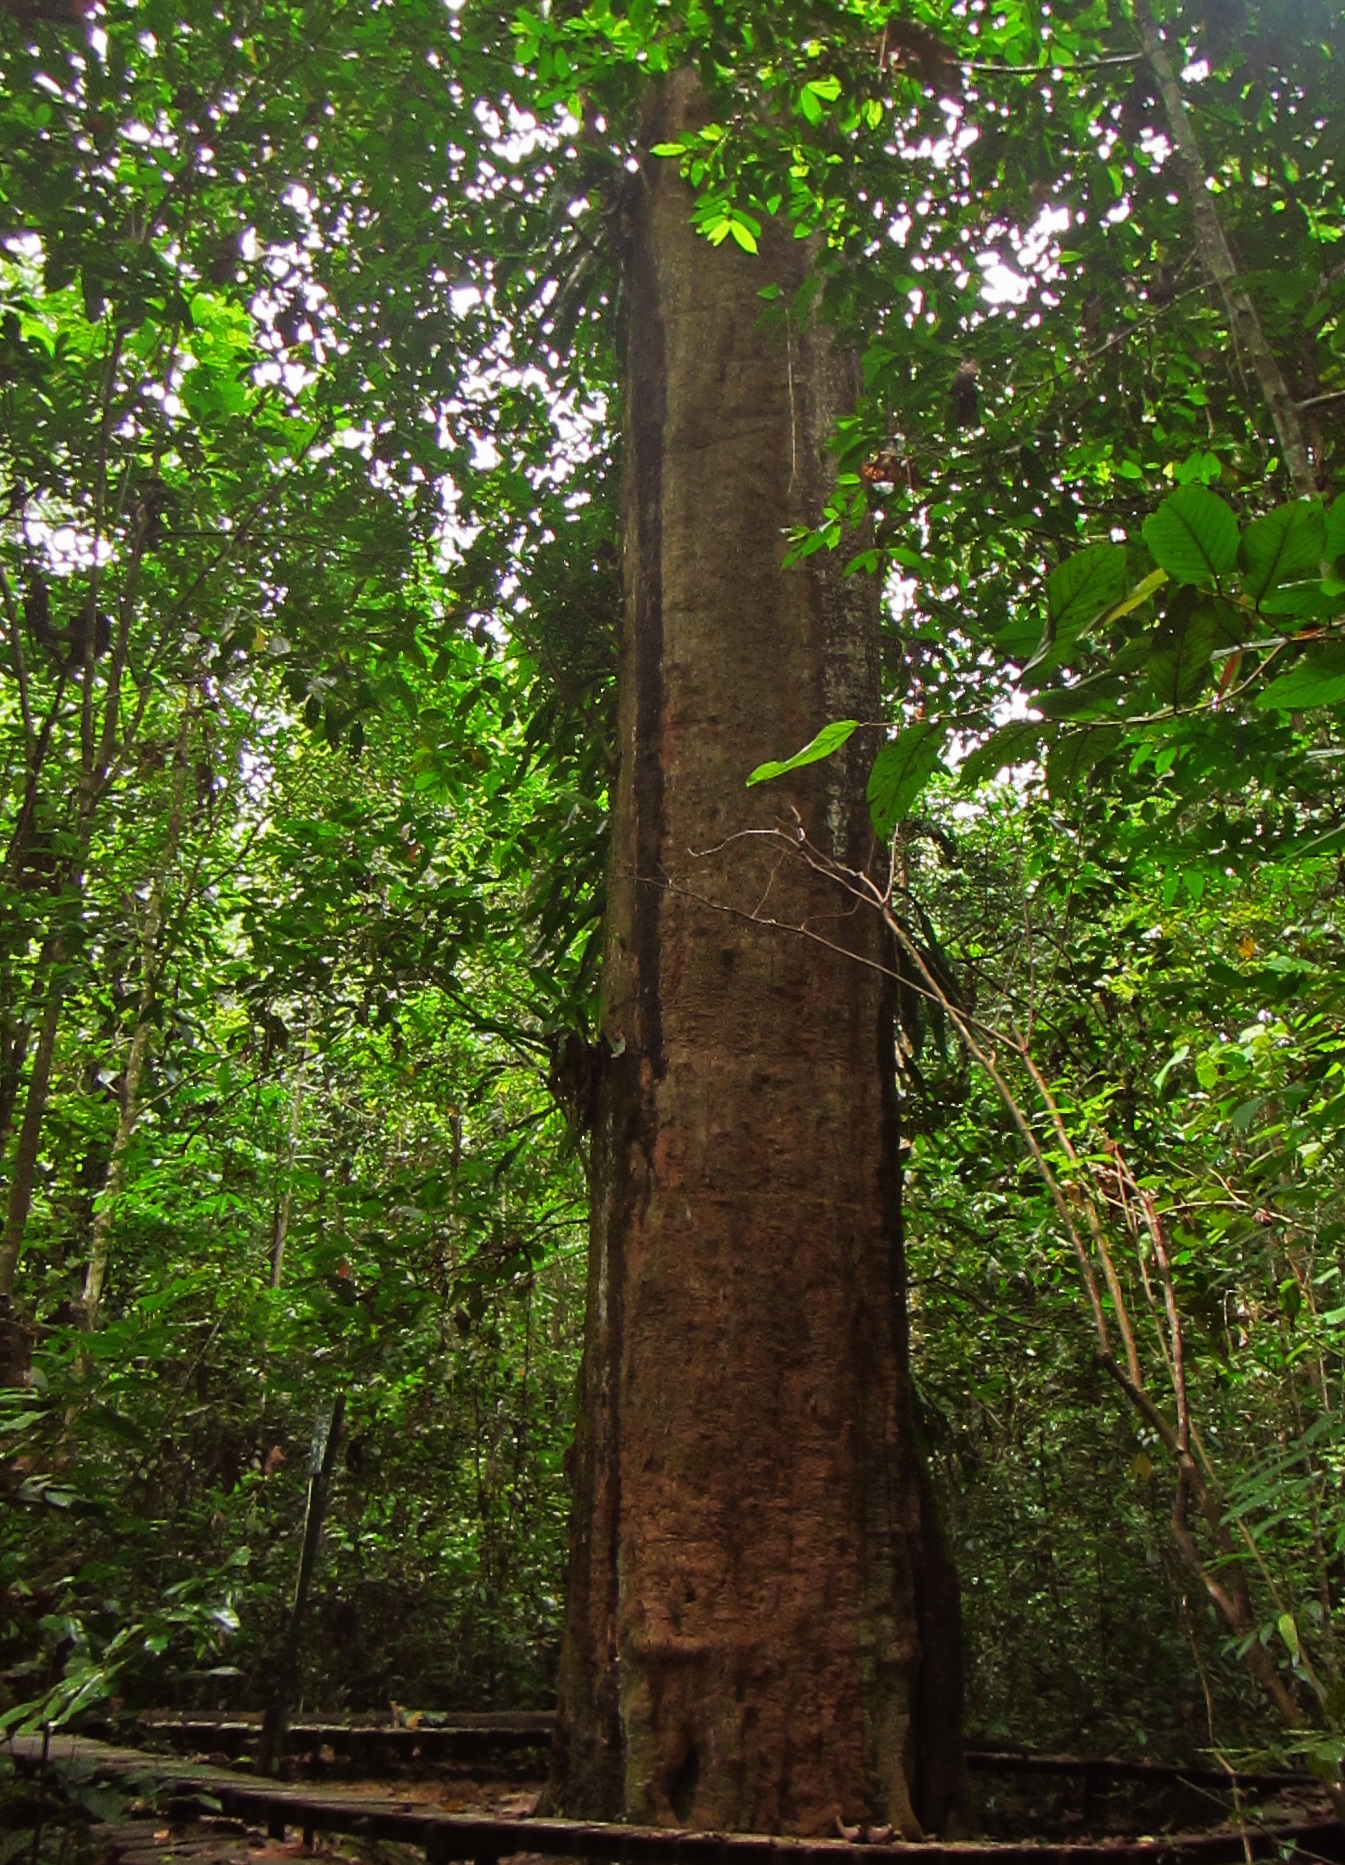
[(1206, 1124), (309, 413)]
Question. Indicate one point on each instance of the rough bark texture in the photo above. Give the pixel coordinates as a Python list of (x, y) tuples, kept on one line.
[(762, 1626)]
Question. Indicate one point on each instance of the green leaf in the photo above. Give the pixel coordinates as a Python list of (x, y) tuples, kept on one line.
[(1084, 587), (1285, 546), (1072, 757), (1097, 697), (1138, 596), (1289, 1633), (901, 771), (828, 740), (1317, 680), (1335, 529), (1179, 665), (816, 94), (1305, 601), (1014, 743), (1019, 639), (1193, 536)]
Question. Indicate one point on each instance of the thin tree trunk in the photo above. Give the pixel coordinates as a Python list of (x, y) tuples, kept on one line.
[(285, 1675), (13, 1055), (151, 969), (104, 741), (762, 1626), (1250, 344), (16, 1345), (23, 1176), (284, 1205), (19, 852)]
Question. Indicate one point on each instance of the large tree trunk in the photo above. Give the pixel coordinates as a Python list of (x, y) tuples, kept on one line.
[(762, 1628)]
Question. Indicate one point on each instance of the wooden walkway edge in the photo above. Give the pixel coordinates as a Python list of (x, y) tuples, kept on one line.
[(485, 1839), (465, 1734)]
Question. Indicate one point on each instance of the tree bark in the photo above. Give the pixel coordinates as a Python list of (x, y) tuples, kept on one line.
[(137, 1056), (1250, 345), (23, 1174), (284, 1201), (762, 1625)]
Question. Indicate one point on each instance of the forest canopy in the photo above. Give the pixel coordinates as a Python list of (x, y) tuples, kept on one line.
[(312, 404)]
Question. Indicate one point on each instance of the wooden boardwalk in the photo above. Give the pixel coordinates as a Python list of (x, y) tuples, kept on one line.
[(512, 1739), (1308, 1837)]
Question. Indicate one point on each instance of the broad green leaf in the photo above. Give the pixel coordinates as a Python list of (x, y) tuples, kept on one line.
[(1084, 587), (1138, 596), (901, 771), (1231, 624), (1014, 743), (1096, 697), (1335, 529), (1179, 665), (1193, 536), (1020, 638), (1309, 601), (1317, 680), (829, 739), (816, 94), (1286, 546), (1072, 757)]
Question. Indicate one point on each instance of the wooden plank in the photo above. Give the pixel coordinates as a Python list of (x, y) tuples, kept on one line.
[(461, 1738), (486, 1839), (532, 1728), (1008, 1761), (538, 1723)]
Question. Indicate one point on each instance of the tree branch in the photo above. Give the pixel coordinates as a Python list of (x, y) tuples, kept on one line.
[(1249, 337)]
